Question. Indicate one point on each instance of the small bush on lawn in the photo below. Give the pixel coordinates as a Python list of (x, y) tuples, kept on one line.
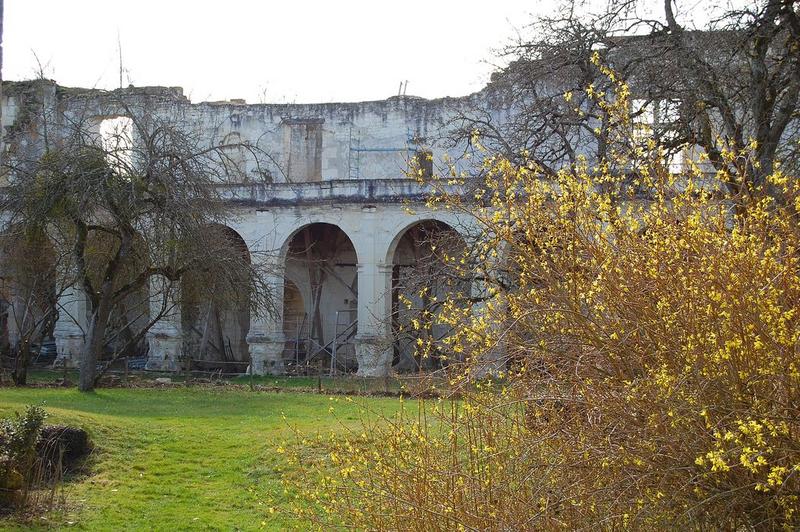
[(19, 466)]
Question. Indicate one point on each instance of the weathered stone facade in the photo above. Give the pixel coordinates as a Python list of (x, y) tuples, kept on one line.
[(332, 165)]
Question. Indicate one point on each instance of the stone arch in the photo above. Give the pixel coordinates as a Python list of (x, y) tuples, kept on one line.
[(28, 291), (216, 324), (321, 260), (425, 259), (323, 221), (400, 231), (113, 132)]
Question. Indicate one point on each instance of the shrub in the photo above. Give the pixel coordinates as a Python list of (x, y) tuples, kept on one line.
[(18, 460), (646, 330)]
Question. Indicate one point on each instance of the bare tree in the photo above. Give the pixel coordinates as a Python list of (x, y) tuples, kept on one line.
[(738, 86), (134, 208), (730, 85), (1, 58), (33, 278)]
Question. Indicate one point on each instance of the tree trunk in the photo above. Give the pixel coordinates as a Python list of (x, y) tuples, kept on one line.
[(95, 341), (22, 363)]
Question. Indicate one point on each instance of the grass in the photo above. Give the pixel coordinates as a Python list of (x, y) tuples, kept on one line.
[(409, 384), (178, 458)]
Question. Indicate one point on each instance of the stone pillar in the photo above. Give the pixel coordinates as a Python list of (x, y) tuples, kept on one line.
[(374, 342), (265, 339), (15, 310), (70, 327), (266, 350), (165, 337)]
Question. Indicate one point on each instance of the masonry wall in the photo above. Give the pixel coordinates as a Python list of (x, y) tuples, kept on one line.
[(339, 164), (306, 142)]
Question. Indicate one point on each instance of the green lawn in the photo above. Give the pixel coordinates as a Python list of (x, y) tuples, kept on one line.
[(410, 384), (179, 458)]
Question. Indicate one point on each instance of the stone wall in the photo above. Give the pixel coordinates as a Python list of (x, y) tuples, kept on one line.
[(341, 164)]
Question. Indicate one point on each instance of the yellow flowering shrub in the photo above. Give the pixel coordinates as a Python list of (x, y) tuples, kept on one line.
[(642, 336)]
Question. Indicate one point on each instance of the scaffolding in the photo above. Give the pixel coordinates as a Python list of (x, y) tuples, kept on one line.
[(338, 352), (343, 348)]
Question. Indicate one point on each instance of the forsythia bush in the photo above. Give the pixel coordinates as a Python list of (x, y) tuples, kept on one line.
[(644, 336)]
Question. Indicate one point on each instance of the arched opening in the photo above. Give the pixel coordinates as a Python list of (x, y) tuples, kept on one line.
[(426, 273), (28, 297), (116, 140), (322, 260), (216, 319), (295, 321)]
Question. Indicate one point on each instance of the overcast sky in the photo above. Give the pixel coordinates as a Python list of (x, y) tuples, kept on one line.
[(277, 50), (273, 51)]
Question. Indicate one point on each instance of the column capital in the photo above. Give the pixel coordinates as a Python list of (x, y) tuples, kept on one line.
[(265, 337), (269, 257), (380, 266)]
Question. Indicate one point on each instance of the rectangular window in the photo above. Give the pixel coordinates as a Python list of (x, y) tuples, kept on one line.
[(302, 148)]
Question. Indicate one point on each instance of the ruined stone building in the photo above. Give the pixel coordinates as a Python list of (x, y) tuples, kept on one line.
[(333, 209), (336, 185)]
